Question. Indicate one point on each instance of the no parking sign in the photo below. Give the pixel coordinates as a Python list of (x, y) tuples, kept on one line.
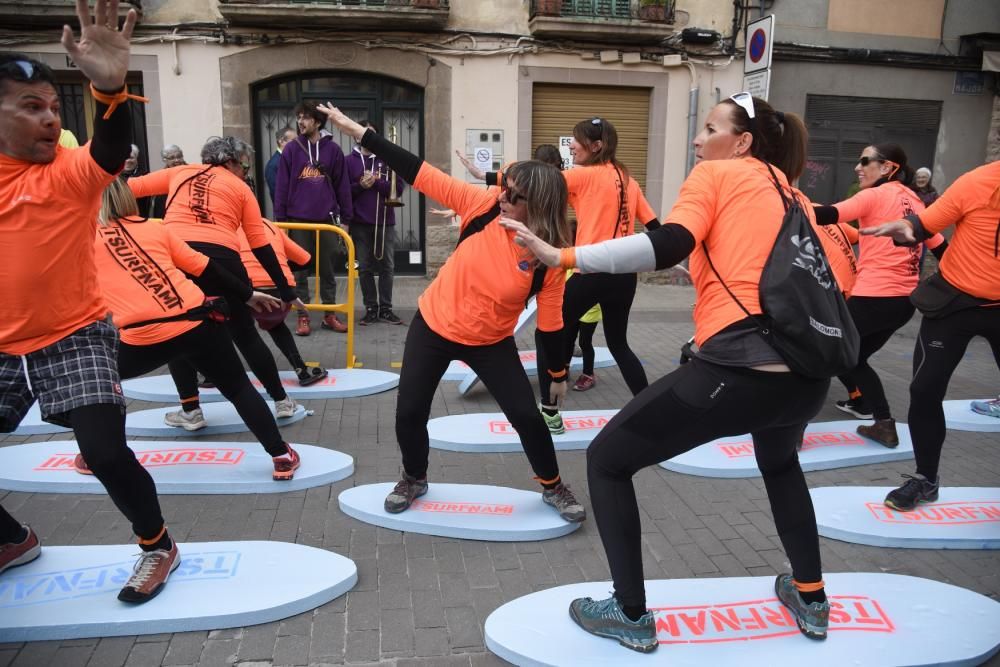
[(757, 62)]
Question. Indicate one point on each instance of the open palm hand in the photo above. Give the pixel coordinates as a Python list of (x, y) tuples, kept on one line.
[(102, 54)]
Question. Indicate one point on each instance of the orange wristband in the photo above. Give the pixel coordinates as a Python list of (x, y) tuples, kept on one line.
[(113, 101), (567, 258), (557, 374)]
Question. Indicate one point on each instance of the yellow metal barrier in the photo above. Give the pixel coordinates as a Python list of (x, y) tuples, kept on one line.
[(352, 275)]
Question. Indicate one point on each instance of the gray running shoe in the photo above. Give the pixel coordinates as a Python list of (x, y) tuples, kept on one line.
[(813, 618), (189, 421), (404, 493), (285, 408), (605, 618), (565, 502), (988, 408), (917, 489)]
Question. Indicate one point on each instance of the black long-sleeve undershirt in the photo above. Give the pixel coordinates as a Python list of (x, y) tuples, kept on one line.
[(269, 260), (551, 343), (112, 141), (672, 243), (403, 162)]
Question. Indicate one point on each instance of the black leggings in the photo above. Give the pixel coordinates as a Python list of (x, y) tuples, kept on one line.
[(615, 294), (100, 435), (695, 404), (241, 326), (209, 349), (940, 346), (877, 318), (587, 330), (282, 337), (426, 357)]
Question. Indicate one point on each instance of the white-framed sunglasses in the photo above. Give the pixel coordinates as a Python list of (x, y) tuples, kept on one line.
[(745, 101)]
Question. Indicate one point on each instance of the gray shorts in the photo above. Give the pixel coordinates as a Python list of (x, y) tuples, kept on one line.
[(81, 369)]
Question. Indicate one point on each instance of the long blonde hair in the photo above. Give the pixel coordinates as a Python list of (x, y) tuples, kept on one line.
[(117, 201), (544, 190)]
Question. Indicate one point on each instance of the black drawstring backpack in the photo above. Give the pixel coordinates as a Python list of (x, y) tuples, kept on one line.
[(805, 314)]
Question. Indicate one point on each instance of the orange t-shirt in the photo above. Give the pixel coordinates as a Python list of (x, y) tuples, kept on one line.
[(885, 269), (284, 247), (209, 204), (480, 291), (48, 213), (596, 197), (733, 207), (141, 266), (837, 243), (972, 204)]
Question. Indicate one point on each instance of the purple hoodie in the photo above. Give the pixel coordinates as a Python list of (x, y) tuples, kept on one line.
[(365, 201), (302, 191)]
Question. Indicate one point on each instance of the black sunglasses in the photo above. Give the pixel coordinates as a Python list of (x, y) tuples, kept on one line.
[(24, 70), (513, 196), (864, 161)]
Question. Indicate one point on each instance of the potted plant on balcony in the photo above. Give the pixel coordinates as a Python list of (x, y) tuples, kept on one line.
[(653, 10), (548, 7)]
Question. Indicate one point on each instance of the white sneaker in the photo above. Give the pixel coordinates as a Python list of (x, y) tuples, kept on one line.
[(189, 421), (286, 408)]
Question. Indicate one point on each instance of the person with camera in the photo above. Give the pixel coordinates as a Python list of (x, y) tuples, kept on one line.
[(164, 317), (207, 203), (312, 186)]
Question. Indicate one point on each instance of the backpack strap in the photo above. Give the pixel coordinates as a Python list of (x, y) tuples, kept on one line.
[(622, 201), (537, 280), (183, 183), (479, 223), (760, 325)]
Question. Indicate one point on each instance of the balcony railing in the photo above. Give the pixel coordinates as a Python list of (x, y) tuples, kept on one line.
[(405, 15), (629, 10), (632, 21), (44, 14)]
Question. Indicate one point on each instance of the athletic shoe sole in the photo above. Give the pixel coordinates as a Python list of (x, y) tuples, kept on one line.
[(188, 426), (891, 505), (851, 411)]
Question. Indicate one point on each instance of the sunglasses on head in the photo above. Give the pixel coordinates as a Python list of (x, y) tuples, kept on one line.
[(745, 101), (513, 196), (23, 70)]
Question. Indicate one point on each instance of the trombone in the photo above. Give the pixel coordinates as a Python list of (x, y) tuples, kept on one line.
[(392, 201)]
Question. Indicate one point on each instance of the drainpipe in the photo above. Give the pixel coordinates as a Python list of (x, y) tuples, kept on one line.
[(692, 117)]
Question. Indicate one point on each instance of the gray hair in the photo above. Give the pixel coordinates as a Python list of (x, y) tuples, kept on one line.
[(924, 170), (171, 149), (220, 150), (135, 151)]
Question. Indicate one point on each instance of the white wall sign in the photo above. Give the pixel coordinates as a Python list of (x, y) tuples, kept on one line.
[(482, 156), (758, 84), (564, 153)]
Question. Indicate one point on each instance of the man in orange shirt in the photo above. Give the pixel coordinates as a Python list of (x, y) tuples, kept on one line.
[(55, 346)]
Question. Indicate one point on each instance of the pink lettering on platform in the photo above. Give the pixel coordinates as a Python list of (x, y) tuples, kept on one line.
[(744, 448), (461, 508), (328, 381), (158, 458), (955, 513), (581, 423), (761, 619)]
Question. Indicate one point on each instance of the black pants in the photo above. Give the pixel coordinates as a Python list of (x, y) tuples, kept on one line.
[(615, 294), (282, 337), (329, 244), (426, 357), (940, 346), (241, 325), (209, 349), (369, 242), (877, 319), (695, 404), (586, 340)]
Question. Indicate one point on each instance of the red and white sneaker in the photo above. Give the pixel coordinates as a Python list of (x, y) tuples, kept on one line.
[(584, 382), (81, 466), (286, 465), (150, 574), (13, 554)]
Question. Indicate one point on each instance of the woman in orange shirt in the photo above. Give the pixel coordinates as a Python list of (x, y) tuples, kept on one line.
[(967, 305), (141, 268), (470, 309), (730, 209), (206, 205), (607, 201), (880, 301)]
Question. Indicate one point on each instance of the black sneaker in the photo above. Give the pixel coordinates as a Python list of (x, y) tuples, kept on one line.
[(856, 407), (404, 493), (371, 317), (917, 489), (386, 315), (310, 375)]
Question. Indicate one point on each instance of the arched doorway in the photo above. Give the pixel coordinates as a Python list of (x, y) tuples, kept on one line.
[(385, 101)]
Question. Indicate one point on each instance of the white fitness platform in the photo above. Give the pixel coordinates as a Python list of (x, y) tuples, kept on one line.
[(958, 415), (876, 619), (176, 467), (465, 511), (222, 418), (32, 424), (963, 517), (529, 359), (826, 445), (71, 592), (491, 432), (340, 383)]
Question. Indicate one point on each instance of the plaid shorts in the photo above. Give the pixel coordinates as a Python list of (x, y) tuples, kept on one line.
[(81, 369)]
